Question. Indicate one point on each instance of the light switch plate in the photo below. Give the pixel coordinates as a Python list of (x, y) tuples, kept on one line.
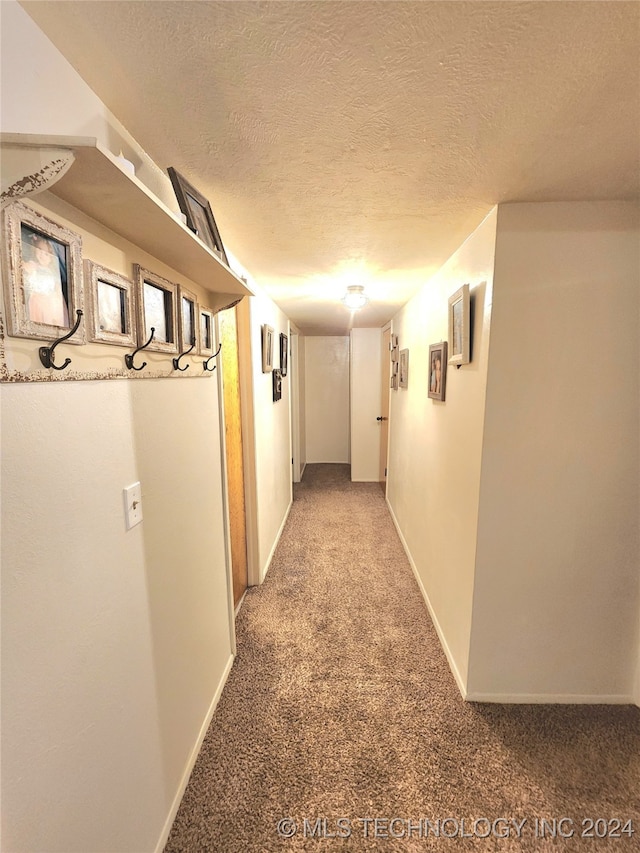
[(133, 505)]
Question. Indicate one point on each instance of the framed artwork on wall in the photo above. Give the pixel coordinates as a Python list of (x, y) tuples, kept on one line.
[(111, 306), (198, 212), (42, 272), (157, 309), (207, 332), (188, 327), (437, 370), (277, 384), (267, 348), (284, 354), (404, 368), (459, 322)]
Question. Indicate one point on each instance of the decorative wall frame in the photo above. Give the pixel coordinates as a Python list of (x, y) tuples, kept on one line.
[(206, 332), (394, 348), (267, 348), (459, 326), (437, 370), (284, 354), (111, 306), (403, 380), (198, 212), (277, 384), (188, 325), (157, 300), (42, 272)]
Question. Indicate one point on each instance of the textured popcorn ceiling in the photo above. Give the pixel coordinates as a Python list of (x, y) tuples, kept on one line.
[(361, 142)]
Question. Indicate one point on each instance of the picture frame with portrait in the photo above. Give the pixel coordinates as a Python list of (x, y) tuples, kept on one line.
[(111, 306), (156, 300), (437, 370), (42, 274), (459, 326), (198, 213), (277, 384), (284, 354), (267, 348)]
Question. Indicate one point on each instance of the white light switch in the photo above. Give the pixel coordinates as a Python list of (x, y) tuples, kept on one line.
[(133, 505)]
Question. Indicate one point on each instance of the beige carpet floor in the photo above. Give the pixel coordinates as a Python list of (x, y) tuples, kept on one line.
[(340, 709)]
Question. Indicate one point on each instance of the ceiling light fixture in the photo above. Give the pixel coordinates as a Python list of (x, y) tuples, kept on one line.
[(355, 297)]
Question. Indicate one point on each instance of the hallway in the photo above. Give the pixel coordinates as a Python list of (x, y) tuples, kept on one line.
[(340, 704)]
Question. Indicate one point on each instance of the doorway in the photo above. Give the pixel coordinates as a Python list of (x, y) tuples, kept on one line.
[(385, 378), (228, 331)]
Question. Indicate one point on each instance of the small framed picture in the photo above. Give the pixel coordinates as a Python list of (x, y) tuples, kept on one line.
[(42, 264), (157, 302), (198, 212), (267, 348), (284, 354), (207, 332), (277, 384), (111, 306), (404, 368), (459, 310), (188, 327), (437, 370)]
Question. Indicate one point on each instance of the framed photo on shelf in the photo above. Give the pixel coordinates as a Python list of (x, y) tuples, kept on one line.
[(459, 322), (111, 306), (42, 272), (404, 368), (198, 212), (207, 332), (188, 327), (267, 348), (437, 370), (157, 300), (284, 354)]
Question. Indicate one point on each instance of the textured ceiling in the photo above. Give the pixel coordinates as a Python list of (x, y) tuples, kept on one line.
[(361, 142)]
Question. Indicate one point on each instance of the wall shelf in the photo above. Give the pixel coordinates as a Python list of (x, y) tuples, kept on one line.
[(96, 184)]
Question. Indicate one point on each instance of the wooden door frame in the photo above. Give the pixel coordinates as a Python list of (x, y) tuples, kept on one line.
[(294, 402), (388, 327)]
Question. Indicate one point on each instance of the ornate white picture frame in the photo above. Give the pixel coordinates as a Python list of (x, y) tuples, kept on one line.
[(189, 325), (42, 273), (207, 332), (111, 306), (459, 323), (157, 302)]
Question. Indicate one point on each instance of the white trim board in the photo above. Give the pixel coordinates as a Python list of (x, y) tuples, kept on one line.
[(436, 624), (551, 698), (275, 544), (175, 805)]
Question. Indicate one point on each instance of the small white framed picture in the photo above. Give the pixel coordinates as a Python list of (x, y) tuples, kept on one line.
[(42, 271), (267, 348), (189, 327), (157, 300), (404, 368), (207, 332), (111, 306), (459, 322)]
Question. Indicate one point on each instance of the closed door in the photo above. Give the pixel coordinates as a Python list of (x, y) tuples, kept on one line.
[(384, 409), (228, 326)]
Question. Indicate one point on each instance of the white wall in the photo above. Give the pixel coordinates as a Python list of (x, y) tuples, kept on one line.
[(115, 644), (435, 447), (327, 398), (272, 433), (366, 369), (556, 591)]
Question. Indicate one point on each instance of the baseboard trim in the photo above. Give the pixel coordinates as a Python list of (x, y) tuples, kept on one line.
[(550, 698), (443, 642), (263, 574), (173, 811)]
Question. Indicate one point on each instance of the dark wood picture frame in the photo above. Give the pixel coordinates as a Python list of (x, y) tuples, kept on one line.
[(198, 212), (437, 370), (277, 384)]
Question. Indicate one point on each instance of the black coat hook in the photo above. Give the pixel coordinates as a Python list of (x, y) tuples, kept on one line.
[(205, 364), (46, 353), (176, 361), (128, 359)]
